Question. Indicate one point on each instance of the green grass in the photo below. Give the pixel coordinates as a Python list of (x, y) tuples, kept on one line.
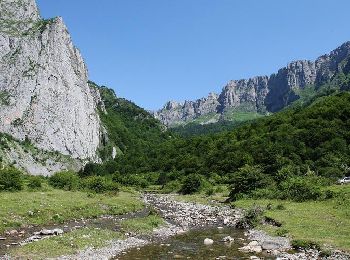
[(142, 225), (56, 206), (325, 222), (241, 116), (66, 244)]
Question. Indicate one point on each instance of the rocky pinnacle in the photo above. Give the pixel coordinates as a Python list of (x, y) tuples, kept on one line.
[(44, 91)]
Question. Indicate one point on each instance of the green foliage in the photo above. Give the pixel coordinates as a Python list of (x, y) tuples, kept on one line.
[(131, 129), (305, 244), (34, 182), (99, 184), (277, 149), (66, 180), (251, 217), (192, 183), (172, 186), (247, 179), (106, 168), (301, 189), (11, 179), (131, 180)]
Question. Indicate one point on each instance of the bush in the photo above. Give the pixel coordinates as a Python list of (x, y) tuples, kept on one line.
[(34, 182), (99, 184), (305, 244), (248, 179), (251, 217), (66, 180), (11, 179), (210, 192), (131, 180), (192, 183), (301, 189)]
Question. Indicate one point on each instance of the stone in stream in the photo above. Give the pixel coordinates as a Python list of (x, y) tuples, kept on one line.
[(228, 239), (49, 232), (252, 247), (270, 245), (208, 241), (13, 232), (2, 238), (58, 231)]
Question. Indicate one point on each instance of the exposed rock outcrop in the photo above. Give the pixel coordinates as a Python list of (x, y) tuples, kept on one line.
[(44, 91), (260, 94)]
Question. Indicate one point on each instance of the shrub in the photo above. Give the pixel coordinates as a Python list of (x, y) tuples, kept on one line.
[(210, 192), (251, 217), (66, 180), (246, 180), (305, 244), (281, 232), (280, 207), (192, 183), (34, 182), (131, 180), (11, 179), (301, 189), (99, 184)]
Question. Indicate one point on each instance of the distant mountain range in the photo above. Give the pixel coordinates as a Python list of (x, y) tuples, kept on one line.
[(249, 98)]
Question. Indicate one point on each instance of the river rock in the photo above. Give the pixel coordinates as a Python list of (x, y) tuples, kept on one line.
[(208, 241), (46, 232), (228, 239), (270, 245), (253, 247), (58, 231), (13, 232)]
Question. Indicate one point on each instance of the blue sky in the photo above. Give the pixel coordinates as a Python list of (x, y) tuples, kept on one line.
[(152, 51)]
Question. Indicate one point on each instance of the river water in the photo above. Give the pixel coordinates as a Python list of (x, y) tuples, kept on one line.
[(191, 246)]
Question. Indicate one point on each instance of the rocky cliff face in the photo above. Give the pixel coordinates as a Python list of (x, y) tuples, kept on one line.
[(260, 94), (44, 91)]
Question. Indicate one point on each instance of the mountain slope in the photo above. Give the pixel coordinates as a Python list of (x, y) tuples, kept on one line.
[(314, 135), (257, 95), (128, 129)]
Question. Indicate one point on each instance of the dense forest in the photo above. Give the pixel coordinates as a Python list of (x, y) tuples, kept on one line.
[(307, 140)]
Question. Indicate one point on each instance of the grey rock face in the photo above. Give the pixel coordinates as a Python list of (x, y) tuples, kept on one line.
[(260, 94), (174, 113), (44, 91)]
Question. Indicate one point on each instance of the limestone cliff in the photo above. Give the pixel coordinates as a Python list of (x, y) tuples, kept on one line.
[(260, 94), (44, 91)]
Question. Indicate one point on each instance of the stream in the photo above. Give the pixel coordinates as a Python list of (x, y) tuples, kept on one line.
[(190, 246), (188, 225)]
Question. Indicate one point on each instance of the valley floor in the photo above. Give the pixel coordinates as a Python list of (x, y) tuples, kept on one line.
[(102, 226)]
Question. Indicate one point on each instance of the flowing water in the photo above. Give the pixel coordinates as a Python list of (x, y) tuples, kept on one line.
[(191, 246)]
